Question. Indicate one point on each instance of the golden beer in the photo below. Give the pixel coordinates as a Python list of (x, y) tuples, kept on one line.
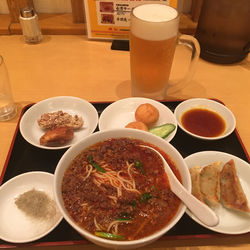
[(151, 70), (153, 34)]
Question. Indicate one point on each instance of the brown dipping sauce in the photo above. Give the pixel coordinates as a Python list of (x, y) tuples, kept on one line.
[(203, 122)]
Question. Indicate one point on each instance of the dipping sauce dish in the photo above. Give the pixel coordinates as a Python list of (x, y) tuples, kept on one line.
[(205, 119)]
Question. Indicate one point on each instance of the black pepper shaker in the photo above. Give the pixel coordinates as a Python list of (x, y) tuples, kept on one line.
[(29, 22)]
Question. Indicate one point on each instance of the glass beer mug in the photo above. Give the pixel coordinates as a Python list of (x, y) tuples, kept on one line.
[(153, 38)]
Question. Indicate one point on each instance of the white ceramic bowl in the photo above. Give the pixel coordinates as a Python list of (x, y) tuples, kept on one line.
[(31, 131), (211, 105), (67, 158)]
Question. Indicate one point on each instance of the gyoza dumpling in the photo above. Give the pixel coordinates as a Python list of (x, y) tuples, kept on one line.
[(210, 184), (232, 194)]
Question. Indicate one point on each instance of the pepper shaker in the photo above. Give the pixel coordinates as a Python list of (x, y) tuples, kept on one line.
[(29, 22)]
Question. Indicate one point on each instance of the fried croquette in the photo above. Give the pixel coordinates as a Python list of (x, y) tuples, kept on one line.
[(147, 114), (137, 125), (57, 136)]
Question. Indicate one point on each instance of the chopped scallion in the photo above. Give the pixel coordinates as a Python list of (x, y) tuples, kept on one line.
[(109, 236), (95, 165), (122, 219), (124, 216), (145, 197), (139, 165), (133, 203)]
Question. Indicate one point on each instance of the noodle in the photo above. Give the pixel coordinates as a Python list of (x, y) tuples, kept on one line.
[(97, 182), (129, 182), (89, 169), (129, 169), (98, 226), (115, 179), (115, 224), (113, 198)]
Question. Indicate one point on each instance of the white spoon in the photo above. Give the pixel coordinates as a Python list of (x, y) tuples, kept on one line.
[(205, 214)]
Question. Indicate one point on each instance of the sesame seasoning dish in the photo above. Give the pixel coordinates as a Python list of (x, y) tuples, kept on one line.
[(28, 209)]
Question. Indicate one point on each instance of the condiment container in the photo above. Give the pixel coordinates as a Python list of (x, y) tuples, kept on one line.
[(223, 30), (30, 26)]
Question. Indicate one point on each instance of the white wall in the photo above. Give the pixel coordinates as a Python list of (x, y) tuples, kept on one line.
[(64, 6), (52, 6), (43, 6)]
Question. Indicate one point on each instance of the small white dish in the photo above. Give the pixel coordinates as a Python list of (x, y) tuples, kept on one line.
[(211, 105), (31, 131), (120, 113), (231, 222), (15, 226)]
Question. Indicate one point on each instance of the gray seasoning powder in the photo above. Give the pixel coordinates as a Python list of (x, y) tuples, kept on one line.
[(36, 204)]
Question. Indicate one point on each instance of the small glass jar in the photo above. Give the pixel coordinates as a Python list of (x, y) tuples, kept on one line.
[(30, 26)]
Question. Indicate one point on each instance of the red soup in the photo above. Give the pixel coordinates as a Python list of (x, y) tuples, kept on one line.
[(118, 190)]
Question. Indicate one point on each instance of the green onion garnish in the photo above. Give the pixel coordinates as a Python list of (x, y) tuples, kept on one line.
[(133, 203), (139, 165), (122, 219), (109, 236), (124, 216), (145, 197), (95, 165)]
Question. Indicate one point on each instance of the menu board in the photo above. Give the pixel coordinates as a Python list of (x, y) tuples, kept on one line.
[(108, 19)]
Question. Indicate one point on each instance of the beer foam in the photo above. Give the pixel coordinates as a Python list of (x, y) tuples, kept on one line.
[(150, 22)]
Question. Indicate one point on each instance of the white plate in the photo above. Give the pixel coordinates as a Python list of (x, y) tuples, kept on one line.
[(31, 131), (215, 106), (120, 113), (231, 222), (15, 226)]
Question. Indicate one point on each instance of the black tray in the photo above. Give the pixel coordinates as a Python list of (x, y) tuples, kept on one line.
[(23, 157)]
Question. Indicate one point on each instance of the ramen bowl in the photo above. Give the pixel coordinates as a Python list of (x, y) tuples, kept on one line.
[(101, 136)]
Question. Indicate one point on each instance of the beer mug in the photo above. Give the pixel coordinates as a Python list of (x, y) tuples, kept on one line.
[(153, 38)]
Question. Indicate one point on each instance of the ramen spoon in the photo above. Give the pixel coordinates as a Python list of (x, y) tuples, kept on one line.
[(205, 214)]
